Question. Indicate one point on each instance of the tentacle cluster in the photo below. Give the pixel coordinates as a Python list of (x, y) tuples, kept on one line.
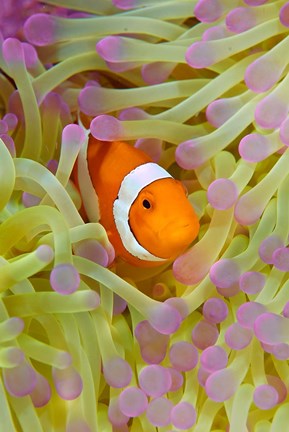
[(87, 344)]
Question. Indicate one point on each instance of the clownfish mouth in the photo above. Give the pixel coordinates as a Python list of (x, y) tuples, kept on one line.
[(172, 240), (175, 229), (181, 235)]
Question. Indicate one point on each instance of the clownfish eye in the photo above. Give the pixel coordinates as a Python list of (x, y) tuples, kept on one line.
[(146, 204)]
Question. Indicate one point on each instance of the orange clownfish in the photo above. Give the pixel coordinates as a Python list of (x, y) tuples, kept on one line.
[(144, 210)]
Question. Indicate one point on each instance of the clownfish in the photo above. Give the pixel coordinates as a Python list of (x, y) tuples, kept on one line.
[(145, 211)]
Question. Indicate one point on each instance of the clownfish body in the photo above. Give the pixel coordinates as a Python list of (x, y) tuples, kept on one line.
[(144, 210)]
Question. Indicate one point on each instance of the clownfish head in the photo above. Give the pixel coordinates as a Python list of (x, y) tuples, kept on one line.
[(162, 219), (154, 220)]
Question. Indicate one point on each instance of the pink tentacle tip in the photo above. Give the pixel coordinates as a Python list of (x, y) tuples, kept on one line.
[(40, 29), (221, 385), (267, 248), (106, 128), (133, 113), (15, 356), (214, 358), (153, 345), (110, 48), (183, 415), (255, 147), (240, 19), (88, 100), (15, 325), (73, 136), (94, 251), (9, 143), (201, 54), (271, 328), (52, 101), (204, 334), (224, 273), (41, 393), (45, 253), (281, 351), (238, 337), (119, 305), (157, 72), (68, 382), (92, 83), (151, 146), (216, 32), (11, 120), (271, 112), (281, 259), (3, 127), (248, 312), (116, 417), (132, 402), (52, 165), (20, 380), (187, 269), (29, 200), (164, 318), (285, 311), (189, 155), (64, 279), (221, 110), (176, 378), (222, 194), (155, 380), (159, 411), (284, 15), (180, 304), (215, 310), (252, 282), (125, 4), (183, 356), (262, 74), (265, 397), (30, 55), (246, 212), (229, 292), (13, 52), (208, 11), (117, 372)]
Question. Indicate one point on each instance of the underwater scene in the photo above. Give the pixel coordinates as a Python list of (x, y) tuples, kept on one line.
[(144, 216)]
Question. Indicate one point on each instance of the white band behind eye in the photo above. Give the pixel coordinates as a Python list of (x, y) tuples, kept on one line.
[(129, 189)]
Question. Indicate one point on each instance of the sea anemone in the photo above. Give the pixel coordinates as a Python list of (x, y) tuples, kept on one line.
[(90, 343)]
